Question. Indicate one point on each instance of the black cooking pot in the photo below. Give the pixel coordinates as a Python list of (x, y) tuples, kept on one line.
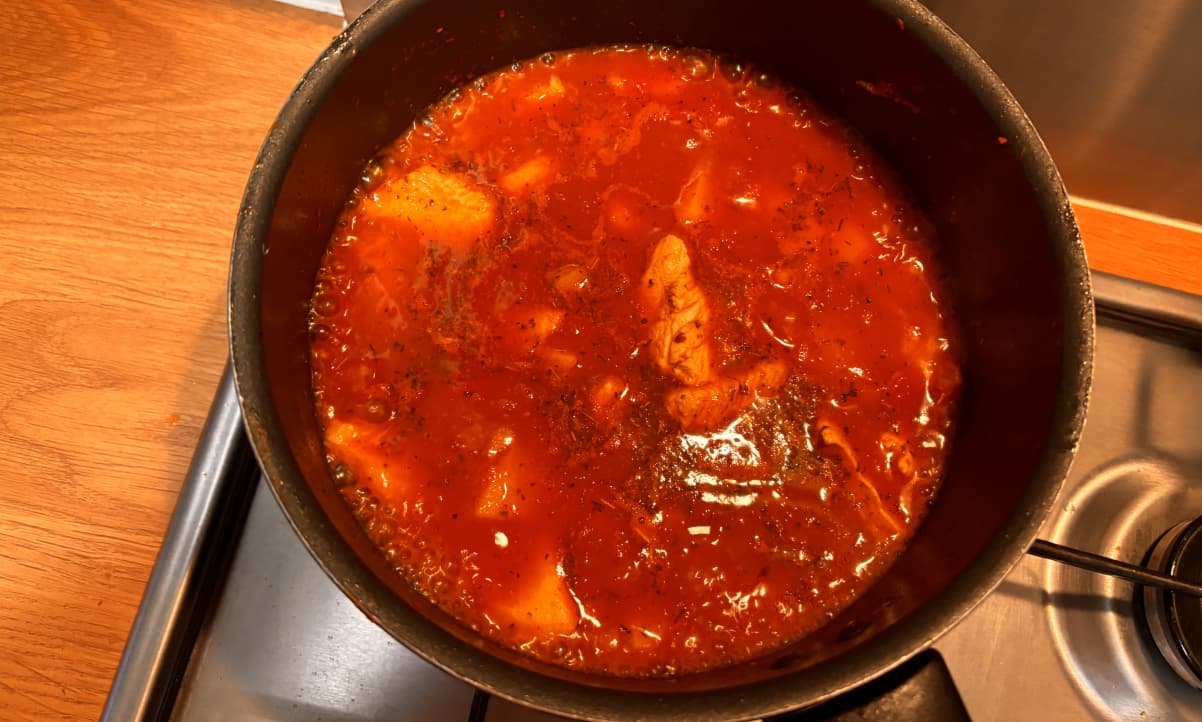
[(967, 153)]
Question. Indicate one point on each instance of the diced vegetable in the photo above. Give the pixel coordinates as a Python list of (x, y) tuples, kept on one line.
[(553, 88), (607, 393), (569, 280), (695, 201), (524, 328), (358, 446), (557, 359), (542, 603), (533, 174), (445, 208), (502, 479)]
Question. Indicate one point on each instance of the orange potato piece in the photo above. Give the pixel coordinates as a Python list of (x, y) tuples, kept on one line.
[(854, 243), (569, 280), (554, 88), (558, 359), (627, 212), (696, 197), (524, 328), (498, 498), (357, 445), (533, 174), (542, 604), (607, 393), (492, 502), (444, 207)]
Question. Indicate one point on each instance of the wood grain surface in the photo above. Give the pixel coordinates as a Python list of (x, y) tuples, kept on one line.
[(127, 130), (126, 133)]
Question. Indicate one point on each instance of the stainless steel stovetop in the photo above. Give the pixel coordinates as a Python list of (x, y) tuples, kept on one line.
[(245, 627)]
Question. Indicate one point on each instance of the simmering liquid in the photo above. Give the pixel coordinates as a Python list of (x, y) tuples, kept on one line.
[(633, 360)]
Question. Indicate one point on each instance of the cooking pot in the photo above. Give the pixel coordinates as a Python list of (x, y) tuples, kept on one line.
[(921, 97)]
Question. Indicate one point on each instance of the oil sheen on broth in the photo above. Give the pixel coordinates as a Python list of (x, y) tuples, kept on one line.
[(633, 361)]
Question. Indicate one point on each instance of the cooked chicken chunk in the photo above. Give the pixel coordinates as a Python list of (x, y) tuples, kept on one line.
[(881, 522), (679, 341), (711, 405)]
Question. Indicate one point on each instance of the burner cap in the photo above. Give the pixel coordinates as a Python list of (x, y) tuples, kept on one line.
[(1175, 620)]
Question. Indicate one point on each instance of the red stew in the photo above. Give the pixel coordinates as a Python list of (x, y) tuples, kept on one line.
[(633, 360)]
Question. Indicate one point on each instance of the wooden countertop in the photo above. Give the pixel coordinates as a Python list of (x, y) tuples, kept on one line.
[(127, 130)]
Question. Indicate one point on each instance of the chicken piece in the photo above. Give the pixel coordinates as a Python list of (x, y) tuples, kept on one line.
[(714, 404), (444, 207), (679, 343), (531, 175), (881, 523), (543, 604)]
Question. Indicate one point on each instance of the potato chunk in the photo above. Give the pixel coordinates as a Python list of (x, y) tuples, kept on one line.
[(557, 359), (446, 208), (524, 328), (570, 280), (502, 479), (543, 603), (357, 446), (534, 174), (696, 198), (553, 89), (606, 394), (679, 341)]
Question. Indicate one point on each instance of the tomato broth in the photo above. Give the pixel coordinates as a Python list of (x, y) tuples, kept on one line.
[(634, 360)]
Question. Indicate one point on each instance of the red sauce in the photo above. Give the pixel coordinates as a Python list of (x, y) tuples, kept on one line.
[(633, 361)]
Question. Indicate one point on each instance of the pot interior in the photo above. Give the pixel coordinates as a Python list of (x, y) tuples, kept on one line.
[(1015, 269)]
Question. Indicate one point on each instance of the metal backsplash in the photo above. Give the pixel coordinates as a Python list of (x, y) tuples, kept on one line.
[(1114, 87)]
